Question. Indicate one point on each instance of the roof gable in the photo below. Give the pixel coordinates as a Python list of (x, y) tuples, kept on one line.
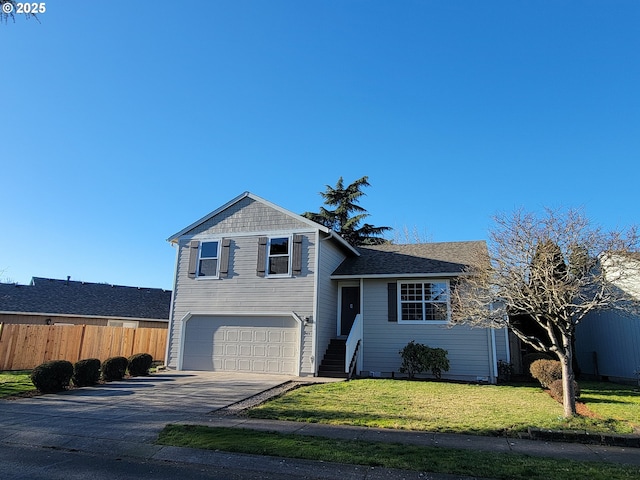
[(210, 219), (427, 259), (66, 297), (239, 198)]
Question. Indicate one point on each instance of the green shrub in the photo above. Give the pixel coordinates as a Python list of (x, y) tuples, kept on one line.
[(53, 376), (139, 364), (418, 358), (556, 390), (505, 371), (86, 372), (546, 371), (114, 368)]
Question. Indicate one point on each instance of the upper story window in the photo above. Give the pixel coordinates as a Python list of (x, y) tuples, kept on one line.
[(208, 259), (423, 302), (278, 259), (280, 256)]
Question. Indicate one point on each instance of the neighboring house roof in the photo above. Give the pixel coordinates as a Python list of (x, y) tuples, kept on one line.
[(421, 259), (316, 226), (66, 297)]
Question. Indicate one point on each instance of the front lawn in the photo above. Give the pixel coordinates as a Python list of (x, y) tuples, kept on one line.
[(15, 383), (451, 407)]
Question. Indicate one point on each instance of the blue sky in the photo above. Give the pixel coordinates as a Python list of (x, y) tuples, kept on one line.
[(121, 126)]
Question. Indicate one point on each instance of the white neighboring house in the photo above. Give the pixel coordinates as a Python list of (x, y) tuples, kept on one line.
[(261, 289), (608, 342)]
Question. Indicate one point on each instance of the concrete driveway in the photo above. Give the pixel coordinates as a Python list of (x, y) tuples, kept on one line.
[(124, 418)]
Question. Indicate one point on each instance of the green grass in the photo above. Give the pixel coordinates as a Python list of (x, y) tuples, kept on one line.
[(450, 407), (613, 401), (15, 383), (409, 457)]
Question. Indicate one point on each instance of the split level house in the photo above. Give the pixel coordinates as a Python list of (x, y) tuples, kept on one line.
[(258, 288)]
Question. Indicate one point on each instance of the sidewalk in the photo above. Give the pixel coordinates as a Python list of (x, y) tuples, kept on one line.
[(538, 448)]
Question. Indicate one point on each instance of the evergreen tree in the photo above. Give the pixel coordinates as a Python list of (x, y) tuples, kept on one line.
[(347, 215)]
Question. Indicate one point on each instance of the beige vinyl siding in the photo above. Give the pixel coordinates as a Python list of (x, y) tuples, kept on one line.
[(469, 349), (330, 258), (242, 290)]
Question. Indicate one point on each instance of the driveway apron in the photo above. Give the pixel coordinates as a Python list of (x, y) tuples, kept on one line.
[(124, 418)]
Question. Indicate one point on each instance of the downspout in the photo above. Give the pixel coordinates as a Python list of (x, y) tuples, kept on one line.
[(507, 344), (314, 330), (494, 353), (361, 351)]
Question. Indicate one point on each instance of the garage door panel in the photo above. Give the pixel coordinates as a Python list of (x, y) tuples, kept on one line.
[(243, 344)]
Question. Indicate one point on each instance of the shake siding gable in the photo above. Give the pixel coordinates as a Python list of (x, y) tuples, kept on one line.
[(247, 215)]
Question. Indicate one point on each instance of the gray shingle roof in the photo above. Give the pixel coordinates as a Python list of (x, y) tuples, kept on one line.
[(46, 295), (413, 259)]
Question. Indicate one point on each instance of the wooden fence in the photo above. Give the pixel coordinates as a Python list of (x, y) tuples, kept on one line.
[(23, 347)]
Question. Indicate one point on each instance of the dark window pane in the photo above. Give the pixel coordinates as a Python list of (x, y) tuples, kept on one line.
[(279, 246), (411, 292), (208, 268), (209, 250), (278, 265), (412, 311)]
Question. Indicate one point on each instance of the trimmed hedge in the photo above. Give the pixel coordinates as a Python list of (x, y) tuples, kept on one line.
[(53, 376), (139, 364), (86, 372), (529, 358), (556, 390), (114, 368), (546, 371)]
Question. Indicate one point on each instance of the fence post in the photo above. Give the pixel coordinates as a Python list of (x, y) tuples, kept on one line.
[(84, 329)]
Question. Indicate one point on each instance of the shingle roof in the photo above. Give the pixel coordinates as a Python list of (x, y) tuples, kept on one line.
[(413, 259), (47, 295)]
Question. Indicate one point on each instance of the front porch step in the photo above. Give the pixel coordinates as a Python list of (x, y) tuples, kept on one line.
[(333, 362)]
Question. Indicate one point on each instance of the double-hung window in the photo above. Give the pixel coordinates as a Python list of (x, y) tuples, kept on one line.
[(279, 256), (423, 302), (208, 259)]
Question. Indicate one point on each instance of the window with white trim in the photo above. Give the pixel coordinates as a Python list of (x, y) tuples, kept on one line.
[(208, 259), (279, 256), (423, 302)]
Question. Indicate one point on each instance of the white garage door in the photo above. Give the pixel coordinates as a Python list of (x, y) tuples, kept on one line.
[(241, 344)]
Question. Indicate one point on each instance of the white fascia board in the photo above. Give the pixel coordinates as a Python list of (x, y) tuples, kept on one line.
[(316, 226), (343, 242), (396, 275)]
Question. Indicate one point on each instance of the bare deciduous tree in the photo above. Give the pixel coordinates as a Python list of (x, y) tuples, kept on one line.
[(405, 235), (554, 269)]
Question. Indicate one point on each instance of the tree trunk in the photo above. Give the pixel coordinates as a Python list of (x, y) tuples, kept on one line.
[(568, 378)]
